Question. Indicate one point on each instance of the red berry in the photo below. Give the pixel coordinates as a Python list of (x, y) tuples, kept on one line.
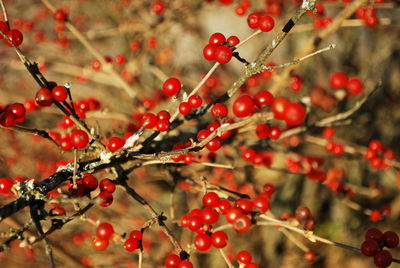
[(3, 28), (328, 133), (202, 242), (136, 234), (209, 216), (338, 80), (383, 259), (214, 144), (172, 261), (369, 247), (163, 115), (185, 264), (243, 106), (5, 185), (233, 40), (158, 7), (224, 206), (59, 93), (107, 185), (131, 244), (376, 215), (204, 133), (266, 23), (391, 239), (223, 54), (217, 39), (104, 231), (60, 15), (106, 198), (354, 86), (275, 132), (261, 203), (373, 234), (263, 131), (219, 110), (294, 114), (242, 224), (99, 244), (162, 125), (211, 200), (209, 52), (278, 107), (234, 213), (219, 239), (115, 143), (263, 98), (244, 257), (149, 119), (253, 20), (184, 108), (171, 86), (195, 101), (18, 110), (44, 97), (79, 139), (90, 182), (310, 256), (15, 36)]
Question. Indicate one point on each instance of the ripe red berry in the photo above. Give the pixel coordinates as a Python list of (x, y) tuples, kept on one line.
[(44, 97), (211, 200), (150, 120), (253, 20), (99, 244), (242, 224), (107, 185), (163, 115), (104, 231), (209, 215), (219, 239), (278, 107), (369, 247), (5, 185), (59, 93), (195, 101), (263, 131), (234, 213), (310, 256), (214, 144), (90, 182), (244, 257), (18, 110), (266, 23), (106, 198), (79, 139), (233, 40), (158, 7), (172, 261), (219, 110), (328, 133), (294, 114), (338, 80), (60, 15), (202, 242), (171, 86), (115, 143), (185, 108), (263, 98), (354, 86), (162, 125), (383, 258), (373, 234), (185, 264), (209, 52), (136, 234), (15, 36), (261, 203), (376, 215), (223, 54), (243, 106), (391, 239), (131, 244), (217, 39), (275, 132)]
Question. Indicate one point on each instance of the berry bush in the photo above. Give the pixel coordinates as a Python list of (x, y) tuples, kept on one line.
[(204, 133)]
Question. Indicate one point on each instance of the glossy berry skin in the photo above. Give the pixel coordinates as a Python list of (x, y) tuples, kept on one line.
[(162, 125), (275, 132), (106, 198), (107, 185), (163, 115), (217, 39), (369, 247), (185, 108), (79, 139), (261, 203), (294, 114), (278, 107), (209, 216), (253, 20), (195, 101), (383, 259), (242, 224), (223, 54), (185, 264), (60, 15), (234, 213), (18, 110), (90, 182), (131, 244), (354, 86), (104, 231), (150, 120), (243, 106), (233, 40), (202, 242), (219, 110), (99, 244), (266, 23), (59, 93), (209, 52), (5, 185), (219, 239), (136, 234), (374, 234), (15, 36), (263, 98), (263, 131), (44, 97), (171, 86), (391, 239), (210, 200), (244, 257), (115, 143), (338, 80), (172, 261), (214, 144), (202, 134)]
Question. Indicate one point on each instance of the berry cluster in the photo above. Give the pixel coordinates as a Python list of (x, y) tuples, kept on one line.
[(14, 35), (368, 15), (257, 158), (219, 48), (12, 114), (378, 155), (374, 243), (354, 85), (104, 232), (264, 22), (174, 261)]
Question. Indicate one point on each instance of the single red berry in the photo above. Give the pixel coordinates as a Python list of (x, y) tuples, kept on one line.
[(278, 107), (275, 132), (162, 125), (44, 97), (354, 86), (253, 20), (244, 203), (373, 234), (185, 108), (171, 86), (233, 40), (79, 139), (60, 15), (244, 257), (263, 98), (294, 114), (223, 54), (136, 234), (214, 144), (328, 133), (106, 198), (107, 185), (391, 239), (209, 52), (115, 143), (172, 261), (158, 7), (202, 242), (261, 203), (149, 119), (66, 144), (104, 231), (369, 247), (163, 115), (99, 244), (219, 239), (120, 59), (263, 131), (266, 23), (59, 93), (211, 200), (376, 215), (90, 182), (219, 110), (195, 101), (224, 206), (217, 39), (383, 258), (202, 134), (131, 244), (185, 264), (15, 36), (242, 224), (338, 80), (209, 215), (5, 185), (18, 110), (243, 106)]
